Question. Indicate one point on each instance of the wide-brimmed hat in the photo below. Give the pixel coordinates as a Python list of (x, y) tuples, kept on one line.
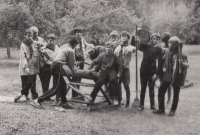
[(114, 33), (34, 29), (51, 36)]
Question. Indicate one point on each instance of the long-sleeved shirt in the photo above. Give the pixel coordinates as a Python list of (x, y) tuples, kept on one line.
[(126, 54), (108, 60), (66, 56), (49, 54), (150, 55)]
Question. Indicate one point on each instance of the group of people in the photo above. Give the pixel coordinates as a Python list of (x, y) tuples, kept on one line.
[(112, 61)]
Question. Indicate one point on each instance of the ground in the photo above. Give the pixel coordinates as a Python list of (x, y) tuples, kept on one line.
[(23, 119)]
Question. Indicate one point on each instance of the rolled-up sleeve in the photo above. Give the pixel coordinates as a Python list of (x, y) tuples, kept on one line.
[(71, 59)]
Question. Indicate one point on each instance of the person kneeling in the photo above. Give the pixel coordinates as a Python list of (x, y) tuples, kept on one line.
[(65, 56)]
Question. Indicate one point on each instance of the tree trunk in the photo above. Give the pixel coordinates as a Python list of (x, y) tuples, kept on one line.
[(87, 74), (8, 47)]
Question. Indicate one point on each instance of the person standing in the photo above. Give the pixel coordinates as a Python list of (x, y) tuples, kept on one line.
[(148, 69), (66, 57), (80, 54), (48, 53), (28, 65), (176, 65), (38, 41), (124, 51)]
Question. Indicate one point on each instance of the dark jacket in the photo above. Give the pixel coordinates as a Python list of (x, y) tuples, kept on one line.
[(108, 60), (171, 65)]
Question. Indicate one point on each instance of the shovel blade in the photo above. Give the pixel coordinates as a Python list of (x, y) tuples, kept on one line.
[(136, 102)]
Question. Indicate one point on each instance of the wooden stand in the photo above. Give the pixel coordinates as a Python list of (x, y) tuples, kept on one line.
[(86, 74)]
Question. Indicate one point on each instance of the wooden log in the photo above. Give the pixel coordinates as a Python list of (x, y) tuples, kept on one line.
[(87, 74), (82, 84), (79, 101)]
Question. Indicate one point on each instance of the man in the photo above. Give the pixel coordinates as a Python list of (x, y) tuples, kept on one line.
[(176, 66), (48, 53), (80, 54), (124, 51), (37, 41), (65, 56), (28, 66), (110, 70), (148, 70)]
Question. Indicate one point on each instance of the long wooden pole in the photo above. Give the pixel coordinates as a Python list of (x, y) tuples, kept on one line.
[(136, 68)]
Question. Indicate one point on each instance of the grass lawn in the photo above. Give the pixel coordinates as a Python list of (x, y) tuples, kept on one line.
[(23, 119)]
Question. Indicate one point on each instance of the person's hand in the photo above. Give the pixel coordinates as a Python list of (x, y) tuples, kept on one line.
[(118, 76), (27, 70), (154, 78), (89, 68), (74, 69), (180, 61)]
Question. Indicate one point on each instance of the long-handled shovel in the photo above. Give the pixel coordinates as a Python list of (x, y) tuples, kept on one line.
[(136, 102)]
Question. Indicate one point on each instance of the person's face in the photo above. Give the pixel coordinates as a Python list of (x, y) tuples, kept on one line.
[(109, 47), (74, 45), (50, 41), (124, 38), (172, 48), (155, 41), (35, 35), (114, 37), (78, 33), (28, 36)]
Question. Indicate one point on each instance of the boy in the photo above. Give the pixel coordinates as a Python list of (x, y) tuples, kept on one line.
[(124, 51), (65, 56), (28, 65), (148, 71), (48, 53), (110, 70), (176, 66)]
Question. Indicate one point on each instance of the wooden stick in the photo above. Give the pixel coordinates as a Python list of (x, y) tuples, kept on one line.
[(79, 101)]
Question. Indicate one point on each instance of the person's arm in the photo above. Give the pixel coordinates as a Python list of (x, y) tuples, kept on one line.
[(120, 66), (96, 61), (71, 59)]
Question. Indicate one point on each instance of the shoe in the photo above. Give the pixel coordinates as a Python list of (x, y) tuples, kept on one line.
[(28, 99), (153, 108), (116, 102), (159, 112), (78, 98), (66, 106), (36, 105), (55, 103), (127, 104), (171, 113), (141, 108), (17, 98)]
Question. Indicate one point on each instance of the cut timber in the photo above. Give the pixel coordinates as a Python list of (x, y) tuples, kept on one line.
[(87, 74), (82, 84)]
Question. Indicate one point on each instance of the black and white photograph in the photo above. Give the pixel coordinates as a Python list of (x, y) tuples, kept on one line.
[(99, 67)]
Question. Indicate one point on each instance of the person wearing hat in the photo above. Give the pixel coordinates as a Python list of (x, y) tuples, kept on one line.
[(124, 51), (38, 42), (80, 54), (48, 53), (176, 65), (65, 56), (113, 39), (148, 69), (27, 66)]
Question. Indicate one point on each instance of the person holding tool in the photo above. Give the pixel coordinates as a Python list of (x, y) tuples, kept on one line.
[(65, 56), (148, 72)]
